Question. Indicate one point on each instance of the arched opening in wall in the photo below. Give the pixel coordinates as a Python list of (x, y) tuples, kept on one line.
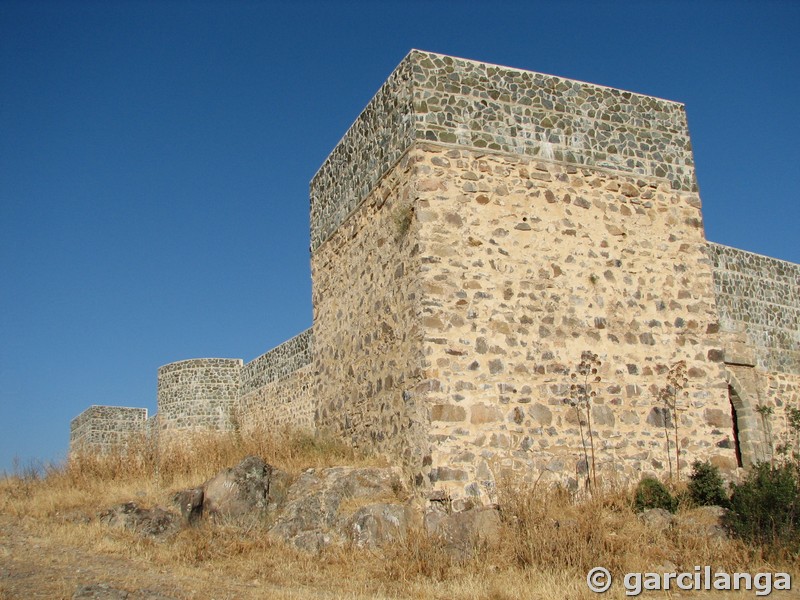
[(746, 429), (736, 444)]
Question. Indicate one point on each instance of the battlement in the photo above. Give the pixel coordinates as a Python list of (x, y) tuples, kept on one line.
[(437, 98)]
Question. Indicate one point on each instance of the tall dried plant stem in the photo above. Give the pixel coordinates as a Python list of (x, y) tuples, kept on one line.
[(583, 444)]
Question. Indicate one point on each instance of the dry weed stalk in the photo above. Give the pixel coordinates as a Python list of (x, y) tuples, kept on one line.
[(669, 396), (581, 395)]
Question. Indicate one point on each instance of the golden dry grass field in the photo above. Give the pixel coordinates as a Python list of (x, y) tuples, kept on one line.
[(51, 544)]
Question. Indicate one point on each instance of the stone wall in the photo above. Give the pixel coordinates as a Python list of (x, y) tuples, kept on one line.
[(474, 233), (106, 427), (285, 403), (760, 296), (367, 331), (278, 363), (496, 108), (758, 299), (527, 264), (198, 393), (275, 387), (214, 394), (546, 217), (370, 148)]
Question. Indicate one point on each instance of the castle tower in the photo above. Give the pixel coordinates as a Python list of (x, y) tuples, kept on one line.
[(103, 427), (510, 277), (475, 232), (198, 394)]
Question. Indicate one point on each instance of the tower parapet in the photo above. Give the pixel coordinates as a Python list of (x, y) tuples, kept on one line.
[(447, 100)]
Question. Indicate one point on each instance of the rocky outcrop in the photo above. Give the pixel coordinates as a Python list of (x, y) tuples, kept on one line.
[(190, 503), (151, 522), (249, 490), (376, 525), (702, 521), (462, 533), (238, 492), (331, 505), (367, 507), (658, 519)]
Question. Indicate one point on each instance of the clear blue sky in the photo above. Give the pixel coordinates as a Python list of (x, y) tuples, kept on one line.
[(155, 160)]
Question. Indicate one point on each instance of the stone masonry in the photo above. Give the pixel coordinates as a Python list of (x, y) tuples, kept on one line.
[(106, 426), (476, 233), (758, 300)]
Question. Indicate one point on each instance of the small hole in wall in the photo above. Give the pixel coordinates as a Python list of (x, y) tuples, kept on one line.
[(524, 218)]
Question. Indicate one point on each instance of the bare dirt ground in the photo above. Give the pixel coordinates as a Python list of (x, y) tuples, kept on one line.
[(34, 566)]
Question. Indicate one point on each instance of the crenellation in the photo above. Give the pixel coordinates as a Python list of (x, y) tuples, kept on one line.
[(477, 232)]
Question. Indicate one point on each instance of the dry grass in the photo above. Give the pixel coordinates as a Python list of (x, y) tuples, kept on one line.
[(550, 538), (89, 481), (552, 530)]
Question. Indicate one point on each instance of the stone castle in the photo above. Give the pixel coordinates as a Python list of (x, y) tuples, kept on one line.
[(476, 231)]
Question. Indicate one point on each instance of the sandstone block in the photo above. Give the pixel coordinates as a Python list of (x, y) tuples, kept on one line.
[(482, 413), (448, 412), (718, 418)]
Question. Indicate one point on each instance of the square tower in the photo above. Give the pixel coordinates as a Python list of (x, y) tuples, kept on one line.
[(478, 232)]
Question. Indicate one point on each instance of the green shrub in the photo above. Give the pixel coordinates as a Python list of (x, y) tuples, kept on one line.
[(706, 487), (765, 508), (651, 493)]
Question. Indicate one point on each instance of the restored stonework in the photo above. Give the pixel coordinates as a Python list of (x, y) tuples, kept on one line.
[(759, 296), (274, 388), (285, 402), (477, 232), (198, 394)]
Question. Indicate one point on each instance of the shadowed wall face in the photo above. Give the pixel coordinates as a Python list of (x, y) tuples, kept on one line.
[(368, 338)]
